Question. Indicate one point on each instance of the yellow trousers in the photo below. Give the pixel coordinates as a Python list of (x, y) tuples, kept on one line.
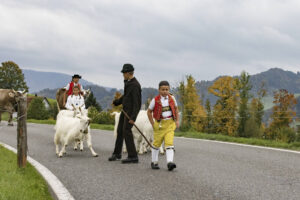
[(164, 131)]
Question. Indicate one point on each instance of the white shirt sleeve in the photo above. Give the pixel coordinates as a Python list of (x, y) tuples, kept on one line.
[(68, 86), (69, 103), (174, 101), (82, 104), (152, 104)]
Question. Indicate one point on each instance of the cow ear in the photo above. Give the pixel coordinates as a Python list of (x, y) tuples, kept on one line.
[(11, 94)]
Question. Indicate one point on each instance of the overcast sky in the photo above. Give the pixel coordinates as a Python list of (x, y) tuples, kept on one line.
[(163, 39)]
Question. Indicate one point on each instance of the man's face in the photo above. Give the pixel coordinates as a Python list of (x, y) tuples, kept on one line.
[(126, 75), (164, 90), (76, 80)]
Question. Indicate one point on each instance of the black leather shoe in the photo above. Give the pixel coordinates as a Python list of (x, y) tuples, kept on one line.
[(130, 160), (154, 165), (114, 157), (171, 166)]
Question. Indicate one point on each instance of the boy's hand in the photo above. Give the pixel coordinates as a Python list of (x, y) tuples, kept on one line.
[(177, 124), (131, 122)]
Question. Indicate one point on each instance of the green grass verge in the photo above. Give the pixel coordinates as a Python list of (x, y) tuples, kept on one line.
[(251, 141), (15, 183)]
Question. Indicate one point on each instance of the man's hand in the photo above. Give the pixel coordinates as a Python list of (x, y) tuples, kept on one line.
[(131, 122)]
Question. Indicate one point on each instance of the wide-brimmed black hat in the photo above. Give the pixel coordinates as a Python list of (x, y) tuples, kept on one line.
[(76, 76), (127, 68)]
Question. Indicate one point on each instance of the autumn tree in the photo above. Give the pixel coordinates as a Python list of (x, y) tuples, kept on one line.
[(225, 109), (11, 77), (244, 86), (192, 109), (282, 115), (117, 108)]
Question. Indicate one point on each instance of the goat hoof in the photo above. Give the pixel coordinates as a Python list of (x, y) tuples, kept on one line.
[(81, 149), (75, 149), (96, 155)]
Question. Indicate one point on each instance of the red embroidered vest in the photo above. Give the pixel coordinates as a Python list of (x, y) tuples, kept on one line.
[(157, 112), (70, 91)]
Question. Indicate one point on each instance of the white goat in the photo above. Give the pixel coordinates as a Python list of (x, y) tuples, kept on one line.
[(72, 126), (142, 122)]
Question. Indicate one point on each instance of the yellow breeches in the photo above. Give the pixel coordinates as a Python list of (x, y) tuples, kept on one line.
[(164, 131)]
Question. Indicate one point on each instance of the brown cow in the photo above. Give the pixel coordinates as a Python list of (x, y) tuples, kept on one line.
[(8, 102), (61, 100)]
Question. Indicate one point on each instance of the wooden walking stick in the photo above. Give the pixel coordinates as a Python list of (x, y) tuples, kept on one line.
[(149, 143)]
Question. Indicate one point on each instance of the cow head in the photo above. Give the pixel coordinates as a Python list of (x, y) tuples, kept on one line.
[(16, 95)]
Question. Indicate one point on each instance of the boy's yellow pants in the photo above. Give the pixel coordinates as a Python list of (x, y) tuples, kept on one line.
[(164, 131)]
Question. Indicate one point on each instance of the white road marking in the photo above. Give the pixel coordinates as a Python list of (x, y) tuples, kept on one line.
[(244, 145)]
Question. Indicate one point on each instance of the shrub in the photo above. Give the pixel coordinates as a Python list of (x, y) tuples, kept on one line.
[(284, 134), (100, 117), (37, 109)]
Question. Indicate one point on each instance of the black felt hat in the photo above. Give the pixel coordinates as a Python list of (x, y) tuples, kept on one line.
[(127, 68), (76, 76)]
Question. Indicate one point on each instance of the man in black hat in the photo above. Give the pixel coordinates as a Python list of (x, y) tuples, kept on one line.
[(131, 101)]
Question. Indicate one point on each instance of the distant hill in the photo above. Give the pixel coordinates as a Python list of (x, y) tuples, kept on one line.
[(37, 80), (274, 79)]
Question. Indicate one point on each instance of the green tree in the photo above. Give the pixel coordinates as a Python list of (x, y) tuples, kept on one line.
[(209, 119), (37, 109), (244, 86), (91, 101), (11, 77)]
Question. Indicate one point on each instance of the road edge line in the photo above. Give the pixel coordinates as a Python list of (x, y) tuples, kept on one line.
[(56, 185), (240, 144)]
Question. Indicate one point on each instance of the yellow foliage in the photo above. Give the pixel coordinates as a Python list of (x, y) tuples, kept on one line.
[(226, 106)]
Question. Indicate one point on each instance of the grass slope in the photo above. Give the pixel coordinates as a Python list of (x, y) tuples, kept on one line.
[(15, 183)]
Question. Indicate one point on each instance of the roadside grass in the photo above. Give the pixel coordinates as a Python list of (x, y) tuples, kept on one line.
[(191, 134), (5, 116), (15, 183), (251, 141)]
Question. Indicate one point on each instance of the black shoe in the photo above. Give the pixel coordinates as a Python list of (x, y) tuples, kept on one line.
[(154, 165), (171, 166), (130, 160), (114, 157)]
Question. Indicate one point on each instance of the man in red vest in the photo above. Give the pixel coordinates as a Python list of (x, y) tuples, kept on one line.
[(70, 86), (163, 108)]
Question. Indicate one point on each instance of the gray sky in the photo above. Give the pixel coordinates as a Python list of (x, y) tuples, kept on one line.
[(163, 39)]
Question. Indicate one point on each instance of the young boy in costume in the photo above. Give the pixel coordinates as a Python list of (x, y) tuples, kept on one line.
[(70, 86), (163, 108), (75, 99)]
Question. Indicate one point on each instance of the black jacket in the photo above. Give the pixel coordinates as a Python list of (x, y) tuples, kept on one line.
[(131, 99)]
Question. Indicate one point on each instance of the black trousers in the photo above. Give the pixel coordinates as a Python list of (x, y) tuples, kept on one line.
[(124, 132)]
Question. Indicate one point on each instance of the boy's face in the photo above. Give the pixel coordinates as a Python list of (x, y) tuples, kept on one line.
[(164, 90), (76, 80), (75, 91)]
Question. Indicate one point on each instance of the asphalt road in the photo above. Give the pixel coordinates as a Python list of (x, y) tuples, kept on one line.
[(206, 170)]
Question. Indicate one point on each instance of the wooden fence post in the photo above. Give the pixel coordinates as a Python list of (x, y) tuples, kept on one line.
[(22, 131)]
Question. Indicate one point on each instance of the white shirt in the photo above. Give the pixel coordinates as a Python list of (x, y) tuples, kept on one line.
[(75, 84), (164, 103), (77, 101)]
